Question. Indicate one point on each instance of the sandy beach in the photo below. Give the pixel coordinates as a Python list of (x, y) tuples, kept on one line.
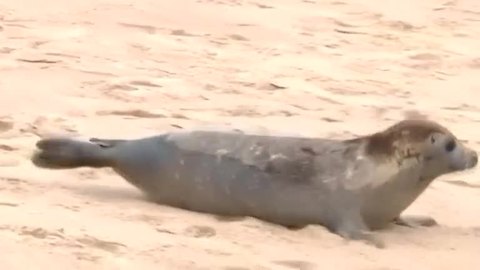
[(128, 69)]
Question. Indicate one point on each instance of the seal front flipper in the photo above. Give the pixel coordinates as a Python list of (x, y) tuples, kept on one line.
[(369, 238), (414, 221), (67, 153), (352, 227), (352, 233)]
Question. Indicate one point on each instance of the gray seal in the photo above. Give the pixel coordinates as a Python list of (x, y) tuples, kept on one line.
[(352, 187)]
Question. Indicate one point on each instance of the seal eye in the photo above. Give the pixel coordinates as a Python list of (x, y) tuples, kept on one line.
[(450, 146)]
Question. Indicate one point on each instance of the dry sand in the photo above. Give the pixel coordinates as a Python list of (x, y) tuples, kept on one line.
[(129, 69)]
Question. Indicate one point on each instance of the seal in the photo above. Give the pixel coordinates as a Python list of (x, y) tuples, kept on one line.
[(352, 187)]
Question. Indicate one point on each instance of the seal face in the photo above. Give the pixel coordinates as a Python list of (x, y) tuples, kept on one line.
[(349, 186), (420, 138), (415, 152)]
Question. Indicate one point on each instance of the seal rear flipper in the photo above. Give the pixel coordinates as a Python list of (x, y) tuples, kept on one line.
[(66, 153)]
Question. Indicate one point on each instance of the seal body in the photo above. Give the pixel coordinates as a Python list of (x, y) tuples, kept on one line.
[(349, 186)]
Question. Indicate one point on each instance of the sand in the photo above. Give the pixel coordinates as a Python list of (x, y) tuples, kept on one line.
[(127, 69)]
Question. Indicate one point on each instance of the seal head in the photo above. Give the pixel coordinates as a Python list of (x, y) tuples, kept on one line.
[(433, 145), (409, 156)]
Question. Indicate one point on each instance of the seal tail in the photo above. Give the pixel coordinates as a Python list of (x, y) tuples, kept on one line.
[(65, 153)]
